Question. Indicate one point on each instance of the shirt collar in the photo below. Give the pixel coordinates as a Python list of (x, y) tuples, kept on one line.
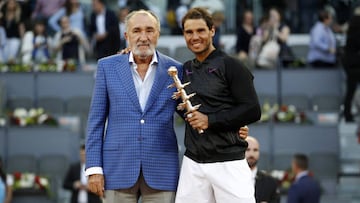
[(254, 172), (300, 175), (154, 60)]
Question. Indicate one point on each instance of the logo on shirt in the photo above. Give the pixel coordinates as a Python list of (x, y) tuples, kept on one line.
[(211, 70), (188, 72)]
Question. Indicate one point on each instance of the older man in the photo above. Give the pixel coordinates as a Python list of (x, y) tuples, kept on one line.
[(136, 154)]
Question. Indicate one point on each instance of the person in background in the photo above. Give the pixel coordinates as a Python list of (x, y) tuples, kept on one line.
[(123, 12), (104, 30), (322, 47), (5, 189), (2, 44), (2, 187), (14, 28), (70, 43), (36, 44), (305, 189), (218, 18), (266, 187), (351, 63), (257, 41), (179, 13), (44, 9), (244, 34), (214, 168), (75, 181), (134, 5), (73, 10), (280, 31)]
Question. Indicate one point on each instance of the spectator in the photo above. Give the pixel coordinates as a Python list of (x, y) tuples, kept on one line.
[(266, 187), (134, 5), (2, 44), (257, 41), (2, 184), (2, 3), (76, 181), (304, 189), (104, 30), (2, 188), (352, 63), (123, 12), (180, 13), (73, 10), (14, 28), (280, 31), (264, 48), (218, 18), (322, 47), (5, 188), (244, 34), (36, 44), (44, 10), (70, 43), (274, 35)]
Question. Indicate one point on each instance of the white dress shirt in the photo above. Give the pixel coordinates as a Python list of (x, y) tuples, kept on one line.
[(82, 196), (253, 175), (100, 23), (143, 87)]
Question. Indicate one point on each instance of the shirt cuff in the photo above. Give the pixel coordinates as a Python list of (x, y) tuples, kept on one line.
[(93, 170)]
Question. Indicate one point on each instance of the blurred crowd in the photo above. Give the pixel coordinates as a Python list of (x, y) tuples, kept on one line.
[(39, 31), (43, 31)]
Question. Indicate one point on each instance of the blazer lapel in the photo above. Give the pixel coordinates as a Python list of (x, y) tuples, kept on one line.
[(160, 80), (124, 72)]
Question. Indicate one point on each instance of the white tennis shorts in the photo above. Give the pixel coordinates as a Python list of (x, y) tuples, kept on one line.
[(220, 182)]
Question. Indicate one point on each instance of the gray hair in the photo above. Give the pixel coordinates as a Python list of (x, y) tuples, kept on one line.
[(142, 11)]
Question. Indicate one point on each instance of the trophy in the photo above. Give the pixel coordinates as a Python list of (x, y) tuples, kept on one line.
[(181, 93)]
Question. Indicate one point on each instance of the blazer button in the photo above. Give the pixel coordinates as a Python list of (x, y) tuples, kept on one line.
[(142, 121)]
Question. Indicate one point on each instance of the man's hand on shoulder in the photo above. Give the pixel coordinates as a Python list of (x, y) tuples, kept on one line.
[(125, 51)]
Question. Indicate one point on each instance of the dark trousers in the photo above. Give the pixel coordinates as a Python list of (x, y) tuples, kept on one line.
[(351, 84)]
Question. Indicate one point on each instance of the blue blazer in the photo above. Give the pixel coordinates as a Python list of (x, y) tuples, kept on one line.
[(132, 139), (304, 190)]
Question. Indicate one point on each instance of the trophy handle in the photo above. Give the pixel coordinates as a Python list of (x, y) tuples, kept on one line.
[(185, 104)]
